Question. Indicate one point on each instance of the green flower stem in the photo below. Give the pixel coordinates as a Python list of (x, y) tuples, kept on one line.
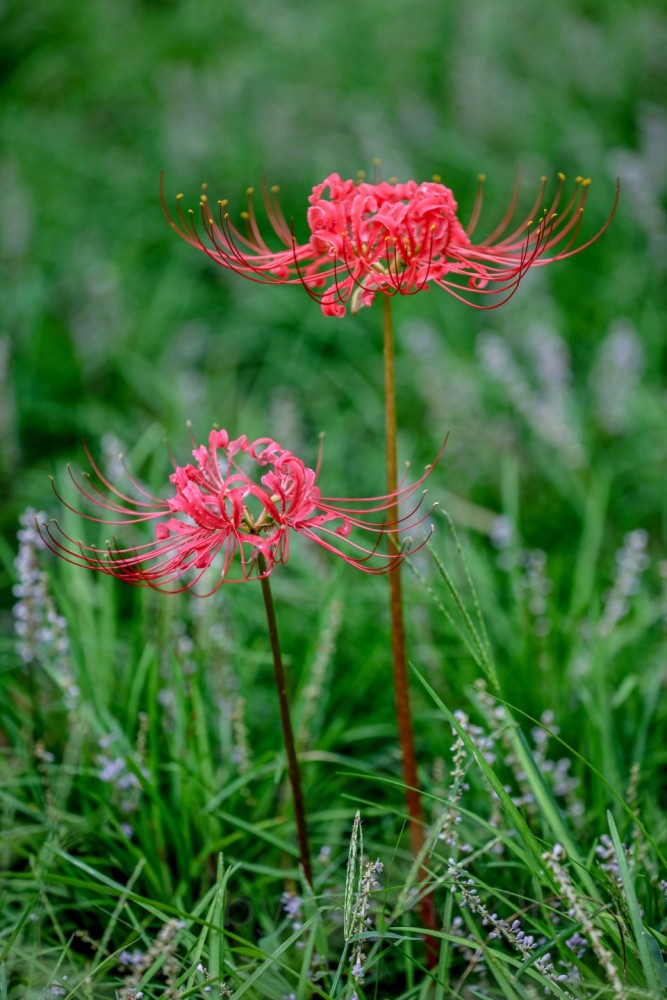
[(286, 721), (401, 686)]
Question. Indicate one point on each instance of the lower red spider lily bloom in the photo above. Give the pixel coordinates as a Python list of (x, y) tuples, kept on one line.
[(227, 508), (392, 238)]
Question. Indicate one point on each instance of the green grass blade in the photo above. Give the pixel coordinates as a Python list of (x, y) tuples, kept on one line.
[(646, 955), (17, 929), (272, 958)]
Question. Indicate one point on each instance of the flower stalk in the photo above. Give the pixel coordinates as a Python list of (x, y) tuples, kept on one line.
[(286, 723), (404, 721)]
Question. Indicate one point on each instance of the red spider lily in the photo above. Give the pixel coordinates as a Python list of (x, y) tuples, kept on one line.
[(224, 507), (391, 238)]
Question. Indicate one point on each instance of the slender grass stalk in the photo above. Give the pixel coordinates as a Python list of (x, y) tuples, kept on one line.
[(286, 722), (406, 733)]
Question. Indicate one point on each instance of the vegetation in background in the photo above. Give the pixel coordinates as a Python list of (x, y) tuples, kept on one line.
[(147, 845)]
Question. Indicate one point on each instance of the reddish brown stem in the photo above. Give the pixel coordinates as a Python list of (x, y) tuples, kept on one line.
[(401, 686), (286, 722)]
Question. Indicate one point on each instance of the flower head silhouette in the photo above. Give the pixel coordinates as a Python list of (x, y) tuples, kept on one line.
[(391, 238), (240, 503)]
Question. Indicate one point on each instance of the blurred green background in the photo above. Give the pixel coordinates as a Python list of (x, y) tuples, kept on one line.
[(113, 330)]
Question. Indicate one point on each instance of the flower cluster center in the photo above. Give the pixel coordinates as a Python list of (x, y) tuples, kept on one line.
[(220, 492), (407, 222)]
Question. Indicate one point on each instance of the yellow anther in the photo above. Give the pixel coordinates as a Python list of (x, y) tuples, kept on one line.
[(244, 215), (210, 222), (544, 178), (179, 196), (578, 180), (204, 186), (376, 161), (586, 181), (554, 214), (190, 212), (249, 191), (436, 178), (204, 198), (361, 174), (481, 178), (432, 226), (561, 176), (226, 215), (223, 202), (275, 189), (529, 223), (393, 180)]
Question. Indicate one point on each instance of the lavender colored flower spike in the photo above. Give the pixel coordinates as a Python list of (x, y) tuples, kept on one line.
[(393, 239), (237, 507)]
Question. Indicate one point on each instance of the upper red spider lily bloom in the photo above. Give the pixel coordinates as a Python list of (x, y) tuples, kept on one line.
[(392, 238), (225, 507)]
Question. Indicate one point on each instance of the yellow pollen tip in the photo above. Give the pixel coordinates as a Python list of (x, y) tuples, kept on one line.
[(586, 181), (226, 215), (393, 180), (544, 178), (249, 191), (436, 178), (179, 196), (578, 180), (561, 176), (204, 186), (52, 479), (204, 198), (244, 215), (190, 212), (481, 178), (210, 222), (275, 189), (376, 161), (432, 226), (223, 203), (554, 214), (361, 174), (529, 222)]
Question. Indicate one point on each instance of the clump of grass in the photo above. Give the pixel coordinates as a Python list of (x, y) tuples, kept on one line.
[(116, 823)]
